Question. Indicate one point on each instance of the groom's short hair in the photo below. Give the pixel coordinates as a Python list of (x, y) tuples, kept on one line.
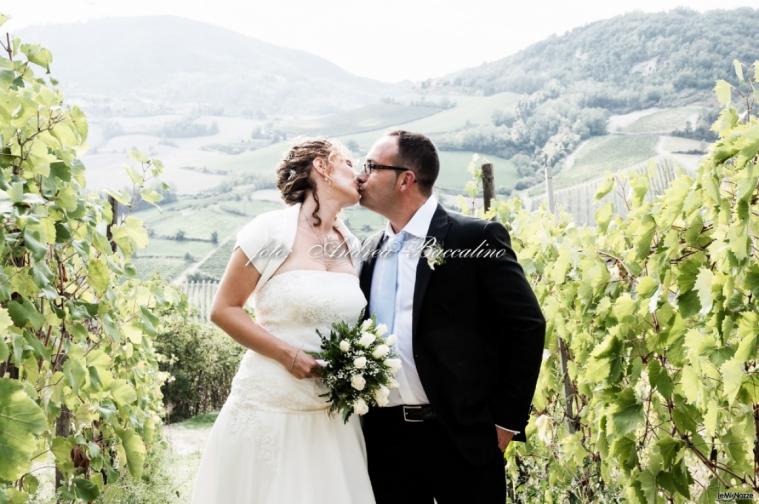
[(417, 152)]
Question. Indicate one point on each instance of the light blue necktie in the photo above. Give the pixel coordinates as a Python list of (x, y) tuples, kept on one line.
[(387, 262)]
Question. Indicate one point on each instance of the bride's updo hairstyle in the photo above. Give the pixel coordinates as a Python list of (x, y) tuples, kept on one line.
[(293, 180)]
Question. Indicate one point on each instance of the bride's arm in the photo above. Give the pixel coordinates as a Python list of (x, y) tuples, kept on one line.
[(238, 282)]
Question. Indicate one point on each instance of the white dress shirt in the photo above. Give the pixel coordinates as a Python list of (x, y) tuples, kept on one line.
[(410, 390)]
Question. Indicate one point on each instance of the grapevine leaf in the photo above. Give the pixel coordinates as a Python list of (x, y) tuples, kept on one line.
[(628, 412), (134, 449), (605, 187), (688, 304), (738, 69), (732, 378), (747, 333), (723, 90), (686, 417), (691, 383), (703, 286), (659, 378), (86, 489), (21, 420)]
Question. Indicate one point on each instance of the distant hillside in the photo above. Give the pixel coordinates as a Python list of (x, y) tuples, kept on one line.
[(171, 60), (573, 83), (668, 56)]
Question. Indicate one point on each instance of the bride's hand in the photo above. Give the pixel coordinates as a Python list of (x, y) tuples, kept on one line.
[(301, 365)]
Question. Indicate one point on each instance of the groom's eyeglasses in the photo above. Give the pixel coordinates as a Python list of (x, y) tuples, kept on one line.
[(371, 165)]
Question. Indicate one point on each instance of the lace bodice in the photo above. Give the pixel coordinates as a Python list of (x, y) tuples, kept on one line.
[(291, 306)]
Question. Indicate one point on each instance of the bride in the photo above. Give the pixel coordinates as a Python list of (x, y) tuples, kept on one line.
[(273, 441)]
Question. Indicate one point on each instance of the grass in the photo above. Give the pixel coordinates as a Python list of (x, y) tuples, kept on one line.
[(202, 421), (167, 267), (367, 118), (200, 221), (261, 162), (454, 174), (182, 471), (197, 218), (664, 121), (362, 222), (608, 153), (162, 247), (475, 110), (214, 266), (187, 439), (677, 144)]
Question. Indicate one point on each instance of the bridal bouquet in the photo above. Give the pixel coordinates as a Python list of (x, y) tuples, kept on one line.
[(358, 366)]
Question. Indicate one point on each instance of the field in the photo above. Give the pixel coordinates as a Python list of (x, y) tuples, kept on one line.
[(360, 221), (470, 111), (198, 219), (166, 267), (371, 117), (666, 120), (220, 191), (681, 145), (163, 247), (607, 153), (215, 264)]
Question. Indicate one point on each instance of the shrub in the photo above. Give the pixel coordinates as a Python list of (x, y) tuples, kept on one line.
[(201, 360)]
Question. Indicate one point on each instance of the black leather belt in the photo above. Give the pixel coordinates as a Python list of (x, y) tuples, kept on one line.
[(418, 413), (412, 413)]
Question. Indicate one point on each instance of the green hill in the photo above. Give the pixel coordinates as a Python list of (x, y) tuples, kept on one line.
[(649, 59), (573, 83)]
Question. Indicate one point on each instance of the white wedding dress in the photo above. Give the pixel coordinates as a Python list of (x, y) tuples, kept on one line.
[(273, 441)]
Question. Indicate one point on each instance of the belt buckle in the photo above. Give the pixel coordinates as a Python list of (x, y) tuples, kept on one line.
[(405, 416)]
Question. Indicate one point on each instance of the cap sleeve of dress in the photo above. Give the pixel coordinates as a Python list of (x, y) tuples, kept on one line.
[(252, 239)]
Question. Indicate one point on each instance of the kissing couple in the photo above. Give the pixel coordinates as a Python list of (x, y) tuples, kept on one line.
[(469, 333)]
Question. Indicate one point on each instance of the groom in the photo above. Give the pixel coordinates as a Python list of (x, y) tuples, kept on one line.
[(470, 336)]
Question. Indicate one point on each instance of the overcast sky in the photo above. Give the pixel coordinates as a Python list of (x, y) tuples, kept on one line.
[(388, 40)]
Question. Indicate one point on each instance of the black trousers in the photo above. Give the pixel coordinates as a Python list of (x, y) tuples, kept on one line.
[(416, 462)]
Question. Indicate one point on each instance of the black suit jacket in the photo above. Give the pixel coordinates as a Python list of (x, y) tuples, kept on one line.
[(477, 333)]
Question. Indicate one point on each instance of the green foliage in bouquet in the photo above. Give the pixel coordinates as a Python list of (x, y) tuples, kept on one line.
[(79, 377), (659, 314), (359, 366)]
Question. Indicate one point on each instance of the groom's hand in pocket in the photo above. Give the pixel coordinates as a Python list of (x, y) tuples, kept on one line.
[(504, 437)]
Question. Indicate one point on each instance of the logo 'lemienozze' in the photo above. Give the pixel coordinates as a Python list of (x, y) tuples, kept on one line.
[(731, 496)]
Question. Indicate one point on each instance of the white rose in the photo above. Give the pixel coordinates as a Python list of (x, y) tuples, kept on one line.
[(381, 395), (391, 340), (380, 330), (394, 364), (358, 382), (360, 407), (367, 339), (392, 383), (359, 363), (366, 324), (345, 345), (381, 351)]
